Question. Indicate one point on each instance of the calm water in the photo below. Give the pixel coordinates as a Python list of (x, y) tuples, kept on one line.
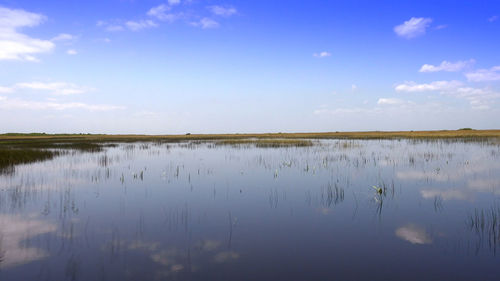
[(204, 212)]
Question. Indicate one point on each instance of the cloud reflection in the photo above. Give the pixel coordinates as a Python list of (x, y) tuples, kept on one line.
[(14, 230), (414, 234), (449, 194)]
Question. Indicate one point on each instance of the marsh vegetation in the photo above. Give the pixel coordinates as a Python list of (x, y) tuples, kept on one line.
[(128, 208)]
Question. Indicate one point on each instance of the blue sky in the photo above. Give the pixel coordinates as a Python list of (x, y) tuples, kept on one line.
[(164, 67)]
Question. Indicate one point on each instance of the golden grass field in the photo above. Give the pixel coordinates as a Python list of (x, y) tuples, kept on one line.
[(444, 134)]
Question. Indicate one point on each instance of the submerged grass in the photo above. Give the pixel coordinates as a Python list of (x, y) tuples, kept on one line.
[(11, 157), (267, 143), (19, 148)]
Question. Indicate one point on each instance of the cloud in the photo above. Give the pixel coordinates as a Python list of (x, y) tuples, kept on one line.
[(322, 55), (174, 2), (390, 101), (434, 86), (6, 90), (492, 74), (110, 26), (18, 46), (139, 25), (414, 234), (206, 23), (413, 27), (493, 18), (354, 87), (223, 11), (38, 105), (447, 66), (479, 98), (56, 88), (71, 52), (160, 12), (63, 37)]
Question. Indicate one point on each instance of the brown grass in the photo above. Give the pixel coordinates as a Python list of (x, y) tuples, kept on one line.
[(444, 134)]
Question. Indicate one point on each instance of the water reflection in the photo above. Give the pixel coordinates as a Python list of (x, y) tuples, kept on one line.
[(414, 234), (16, 231), (200, 211)]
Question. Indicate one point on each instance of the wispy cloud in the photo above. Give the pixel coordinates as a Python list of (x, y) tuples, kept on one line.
[(64, 37), (322, 54), (6, 90), (71, 52), (390, 101), (55, 88), (479, 98), (18, 46), (493, 18), (206, 23), (110, 26), (492, 74), (139, 25), (42, 105), (223, 11), (447, 66), (162, 12), (413, 27), (434, 86)]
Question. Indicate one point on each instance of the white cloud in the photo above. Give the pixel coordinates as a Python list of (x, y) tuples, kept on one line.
[(174, 2), (354, 87), (413, 27), (206, 23), (71, 52), (322, 54), (38, 105), (390, 101), (492, 74), (222, 11), (493, 18), (111, 27), (56, 88), (479, 98), (6, 90), (139, 25), (434, 86), (414, 234), (64, 37), (447, 66), (18, 46)]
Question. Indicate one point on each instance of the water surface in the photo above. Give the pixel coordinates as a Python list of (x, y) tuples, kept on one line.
[(338, 210)]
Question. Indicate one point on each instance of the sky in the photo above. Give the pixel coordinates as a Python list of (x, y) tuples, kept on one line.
[(229, 66)]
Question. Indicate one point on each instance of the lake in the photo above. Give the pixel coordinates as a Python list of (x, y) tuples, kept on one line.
[(337, 210)]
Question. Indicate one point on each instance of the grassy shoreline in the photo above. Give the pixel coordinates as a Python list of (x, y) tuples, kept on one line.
[(442, 134)]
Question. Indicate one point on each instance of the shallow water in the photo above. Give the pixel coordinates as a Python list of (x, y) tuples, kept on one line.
[(205, 212)]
